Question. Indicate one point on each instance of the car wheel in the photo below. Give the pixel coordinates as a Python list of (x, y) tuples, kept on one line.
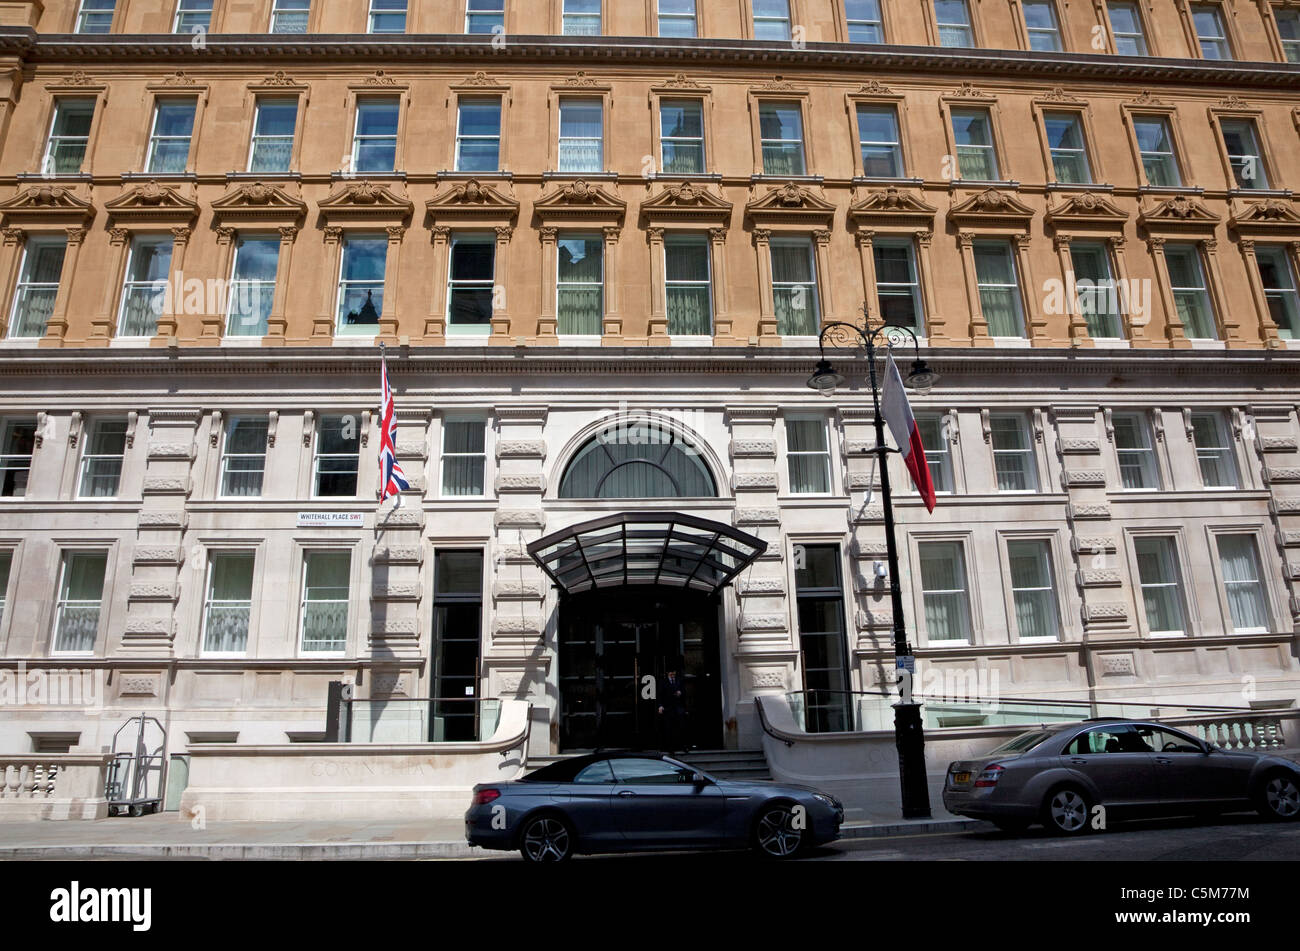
[(1012, 825), (775, 835), (546, 838), (1066, 811), (1279, 798)]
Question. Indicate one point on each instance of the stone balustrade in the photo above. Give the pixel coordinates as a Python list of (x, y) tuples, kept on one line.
[(53, 785)]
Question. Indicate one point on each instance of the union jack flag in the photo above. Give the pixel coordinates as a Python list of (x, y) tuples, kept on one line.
[(392, 479)]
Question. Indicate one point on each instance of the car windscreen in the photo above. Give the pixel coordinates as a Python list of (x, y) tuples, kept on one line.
[(1023, 743), (561, 772)]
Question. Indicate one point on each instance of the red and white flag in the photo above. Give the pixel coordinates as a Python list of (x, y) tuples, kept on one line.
[(902, 425), (392, 480)]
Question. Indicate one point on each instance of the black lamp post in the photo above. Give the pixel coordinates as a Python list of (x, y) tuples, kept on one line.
[(908, 732)]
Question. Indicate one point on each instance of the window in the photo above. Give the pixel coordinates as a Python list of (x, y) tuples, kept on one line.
[(649, 772), (65, 150), (374, 144), (229, 604), (6, 564), (101, 460), (1040, 23), (1187, 281), (338, 447), (771, 19), (17, 442), (794, 287), (485, 16), (243, 462), (780, 130), (387, 16), (1214, 451), (938, 452), (169, 143), (1013, 454), (1161, 584), (943, 591), (1032, 590), (819, 593), (95, 16), (1243, 584), (1156, 146), (864, 22), (470, 282), (688, 286), (38, 286), (882, 153), (325, 588), (1241, 139), (1065, 141), (478, 135), (1288, 31), (273, 128), (81, 594), (1126, 27), (581, 18), (681, 136), (581, 135), (808, 456), (1136, 455), (1207, 19), (1095, 289), (637, 460), (252, 285), (193, 16), (953, 18), (1278, 277), (457, 638), (580, 285), (464, 457), (897, 286), (972, 130), (290, 16), (999, 287), (677, 18), (148, 269), (361, 284)]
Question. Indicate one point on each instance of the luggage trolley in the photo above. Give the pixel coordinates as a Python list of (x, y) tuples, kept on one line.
[(134, 782)]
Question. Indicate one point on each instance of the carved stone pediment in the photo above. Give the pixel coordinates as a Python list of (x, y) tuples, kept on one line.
[(365, 200), (991, 205), (580, 200), (46, 203), (1178, 212), (892, 203), (791, 203), (1266, 216), (1087, 208), (687, 201), (257, 201), (472, 199), (151, 201)]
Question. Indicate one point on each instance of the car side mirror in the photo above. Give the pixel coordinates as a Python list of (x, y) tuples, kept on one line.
[(699, 779)]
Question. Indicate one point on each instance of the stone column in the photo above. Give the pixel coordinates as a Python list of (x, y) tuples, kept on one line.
[(435, 325), (173, 302), (104, 323), (11, 254), (392, 275), (658, 291), (500, 305), (612, 325), (1175, 333), (1079, 334), (768, 335), (1135, 307), (277, 324), (825, 286), (213, 328), (323, 325), (722, 324), (867, 261), (57, 327), (979, 327), (1035, 319), (546, 321), (1267, 329)]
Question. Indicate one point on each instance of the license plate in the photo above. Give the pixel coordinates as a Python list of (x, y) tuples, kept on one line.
[(960, 779)]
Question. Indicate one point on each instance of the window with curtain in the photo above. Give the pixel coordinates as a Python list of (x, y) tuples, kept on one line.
[(808, 456), (1161, 583), (580, 285), (478, 135), (6, 564), (17, 443), (81, 595), (1032, 590), (1288, 31), (387, 16), (470, 282), (1156, 146), (771, 19), (1243, 583), (1041, 25), (65, 149), (228, 607), (374, 139), (1214, 451), (823, 651), (464, 457), (944, 591), (1135, 452), (1065, 141), (864, 21), (290, 16), (243, 458), (485, 16), (677, 18), (457, 643), (953, 18), (338, 448), (38, 286), (687, 285), (582, 141), (780, 130), (1126, 27), (581, 18), (326, 586), (169, 140), (252, 285), (999, 288), (1191, 295), (148, 269), (101, 459), (897, 287), (273, 129), (1013, 453), (972, 130), (1095, 290), (361, 283), (1207, 18), (95, 16), (794, 287), (193, 15), (637, 460), (938, 451), (1279, 280), (1241, 139), (681, 136), (882, 152)]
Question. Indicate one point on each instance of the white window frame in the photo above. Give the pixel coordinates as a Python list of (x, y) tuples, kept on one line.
[(1218, 41), (182, 12), (811, 285), (445, 455), (965, 591), (277, 12), (682, 239), (373, 12), (1065, 151), (1254, 161), (83, 15), (237, 283), (939, 456), (1027, 452), (54, 139), (129, 285), (1044, 546), (64, 602), (155, 139), (913, 288), (1202, 289), (468, 237), (345, 285), (227, 455), (966, 26), (801, 140), (462, 137), (598, 140), (7, 423), (497, 11), (1290, 45), (665, 138), (1171, 155), (358, 137), (1223, 450), (1287, 294), (1145, 452), (1139, 38), (823, 425), (1014, 286), (878, 23), (255, 138), (1171, 555), (1086, 300), (88, 458), (561, 285), (25, 286), (991, 148), (1058, 41), (894, 145), (580, 18), (758, 18), (1259, 582), (209, 602), (307, 555), (317, 456), (678, 17)]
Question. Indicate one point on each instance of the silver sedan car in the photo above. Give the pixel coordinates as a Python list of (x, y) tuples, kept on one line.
[(1078, 777)]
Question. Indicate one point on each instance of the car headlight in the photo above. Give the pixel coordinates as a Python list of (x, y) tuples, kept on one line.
[(822, 797)]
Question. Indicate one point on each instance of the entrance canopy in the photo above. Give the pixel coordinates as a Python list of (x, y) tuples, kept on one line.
[(646, 548)]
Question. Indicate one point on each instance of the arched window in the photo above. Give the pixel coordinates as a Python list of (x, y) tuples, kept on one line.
[(637, 461)]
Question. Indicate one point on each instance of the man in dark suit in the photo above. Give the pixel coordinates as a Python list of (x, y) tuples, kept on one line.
[(672, 712)]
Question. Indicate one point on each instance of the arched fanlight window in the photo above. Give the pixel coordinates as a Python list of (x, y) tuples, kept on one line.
[(637, 461)]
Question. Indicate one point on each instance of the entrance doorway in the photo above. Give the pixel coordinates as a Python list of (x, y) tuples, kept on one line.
[(611, 641)]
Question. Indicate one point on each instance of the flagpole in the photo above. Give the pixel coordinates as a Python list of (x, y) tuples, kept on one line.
[(383, 369)]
